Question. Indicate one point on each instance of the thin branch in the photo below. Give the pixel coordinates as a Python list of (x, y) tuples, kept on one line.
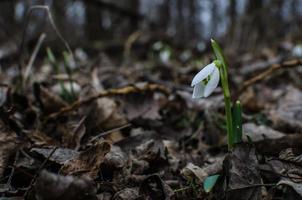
[(102, 134), (111, 92), (269, 71)]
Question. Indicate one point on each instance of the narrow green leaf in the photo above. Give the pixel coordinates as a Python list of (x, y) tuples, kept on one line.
[(65, 94), (50, 55), (237, 122), (210, 182)]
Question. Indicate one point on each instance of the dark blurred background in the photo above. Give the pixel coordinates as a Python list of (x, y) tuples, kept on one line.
[(242, 25)]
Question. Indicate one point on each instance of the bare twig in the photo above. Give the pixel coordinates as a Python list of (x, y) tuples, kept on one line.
[(269, 71), (111, 92), (33, 57), (102, 134)]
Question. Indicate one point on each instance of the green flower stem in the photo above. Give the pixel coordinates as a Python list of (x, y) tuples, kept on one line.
[(226, 92)]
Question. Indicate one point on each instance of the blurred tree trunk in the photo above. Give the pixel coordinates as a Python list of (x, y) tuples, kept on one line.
[(180, 20), (192, 19), (164, 14), (93, 24), (215, 16), (232, 12), (7, 20)]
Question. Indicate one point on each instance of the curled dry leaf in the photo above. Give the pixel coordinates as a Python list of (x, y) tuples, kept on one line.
[(50, 186), (289, 166), (193, 171), (151, 151), (49, 102), (88, 162)]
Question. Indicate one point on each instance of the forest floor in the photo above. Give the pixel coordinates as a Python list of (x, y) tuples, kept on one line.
[(91, 127)]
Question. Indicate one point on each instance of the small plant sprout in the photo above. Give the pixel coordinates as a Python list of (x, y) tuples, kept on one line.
[(207, 80)]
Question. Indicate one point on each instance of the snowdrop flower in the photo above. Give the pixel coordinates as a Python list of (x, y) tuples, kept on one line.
[(205, 81)]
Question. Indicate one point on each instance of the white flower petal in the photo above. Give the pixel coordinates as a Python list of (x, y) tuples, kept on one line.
[(213, 82), (198, 91), (204, 73)]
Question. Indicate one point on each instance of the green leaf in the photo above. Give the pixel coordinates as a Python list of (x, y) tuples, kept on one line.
[(210, 182), (237, 122), (50, 55)]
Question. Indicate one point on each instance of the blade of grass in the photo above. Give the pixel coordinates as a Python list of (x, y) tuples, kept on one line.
[(237, 120), (65, 93)]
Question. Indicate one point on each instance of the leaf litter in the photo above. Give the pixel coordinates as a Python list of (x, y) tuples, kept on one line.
[(134, 132)]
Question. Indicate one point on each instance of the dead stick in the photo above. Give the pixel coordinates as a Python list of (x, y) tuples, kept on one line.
[(111, 92), (269, 71)]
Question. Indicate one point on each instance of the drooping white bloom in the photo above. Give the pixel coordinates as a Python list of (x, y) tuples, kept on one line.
[(205, 81)]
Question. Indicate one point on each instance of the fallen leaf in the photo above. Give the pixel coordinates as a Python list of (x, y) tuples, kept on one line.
[(241, 169), (51, 186), (60, 156), (127, 194), (138, 105), (259, 132), (8, 145), (88, 162), (287, 115), (153, 187), (48, 101), (102, 114)]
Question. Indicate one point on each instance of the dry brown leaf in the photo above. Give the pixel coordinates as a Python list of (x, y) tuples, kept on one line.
[(8, 144), (139, 105), (102, 114), (258, 133), (52, 186), (48, 100), (88, 162), (241, 169), (60, 156), (288, 112), (193, 171)]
